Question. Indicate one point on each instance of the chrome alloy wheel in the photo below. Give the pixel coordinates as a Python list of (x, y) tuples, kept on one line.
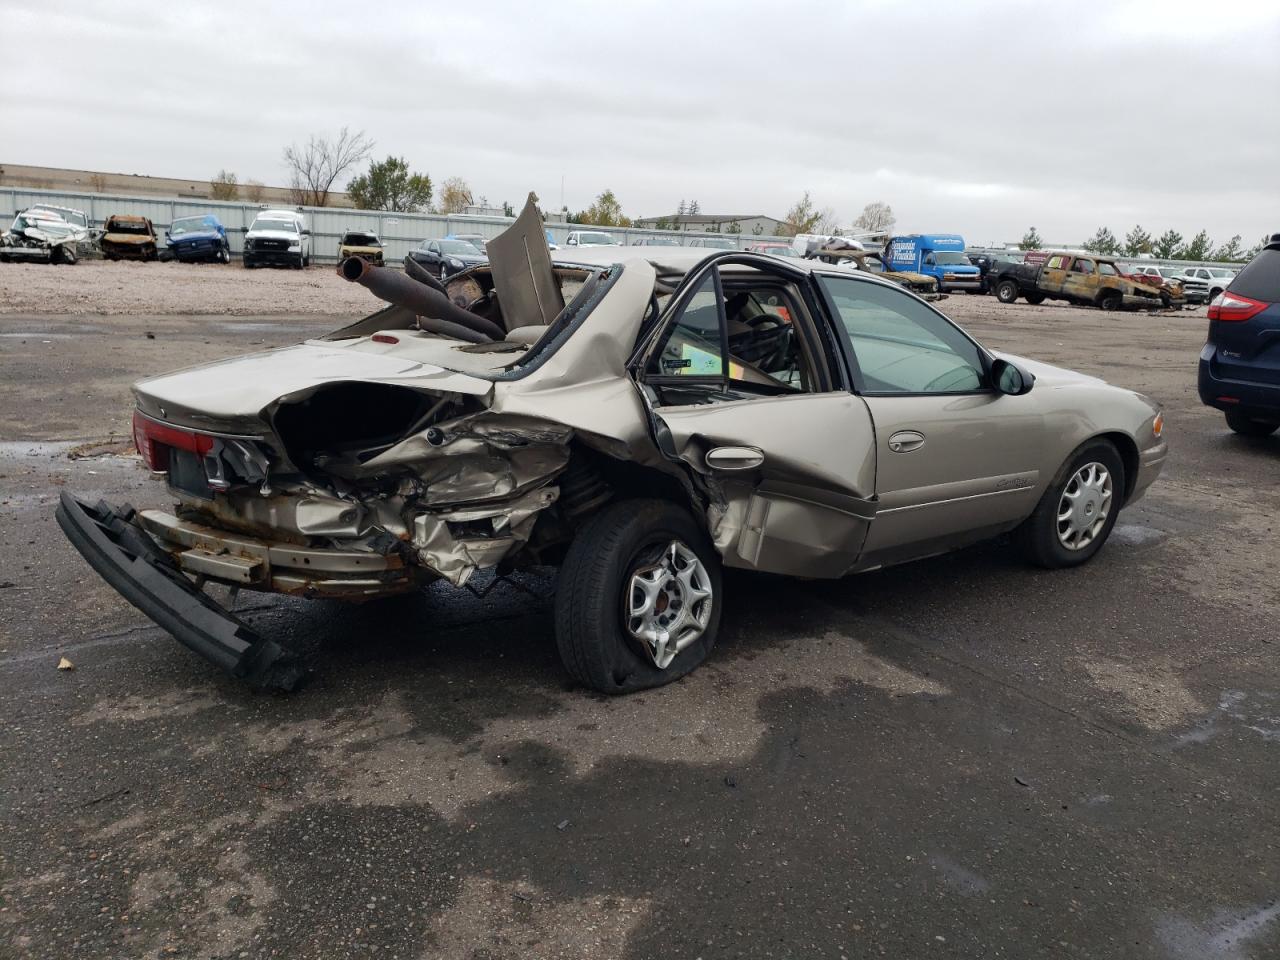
[(1085, 506), (668, 603)]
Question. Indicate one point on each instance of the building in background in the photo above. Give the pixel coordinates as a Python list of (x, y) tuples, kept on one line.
[(751, 224), (135, 184)]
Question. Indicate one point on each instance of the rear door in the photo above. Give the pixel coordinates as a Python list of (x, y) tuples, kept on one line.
[(955, 460), (746, 390), (1249, 349)]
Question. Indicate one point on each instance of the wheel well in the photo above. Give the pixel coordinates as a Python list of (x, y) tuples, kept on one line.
[(1128, 451)]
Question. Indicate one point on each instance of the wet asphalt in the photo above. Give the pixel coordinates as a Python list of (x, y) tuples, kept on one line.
[(961, 757)]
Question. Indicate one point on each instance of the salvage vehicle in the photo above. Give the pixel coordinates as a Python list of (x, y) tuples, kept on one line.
[(441, 258), (1240, 362), (477, 240), (713, 243), (778, 248), (839, 250), (591, 238), (939, 255), (127, 237), (638, 417), (1170, 278), (987, 263), (1215, 279), (360, 243), (39, 234), (1082, 279), (655, 242), (1173, 293), (201, 239), (279, 237)]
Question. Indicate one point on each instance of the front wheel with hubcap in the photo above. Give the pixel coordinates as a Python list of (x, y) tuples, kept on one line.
[(1076, 514), (639, 598), (1006, 291)]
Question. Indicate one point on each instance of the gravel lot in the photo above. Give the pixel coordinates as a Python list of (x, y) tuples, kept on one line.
[(127, 287), (957, 758)]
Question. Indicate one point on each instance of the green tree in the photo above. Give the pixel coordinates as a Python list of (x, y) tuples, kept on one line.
[(390, 185), (1199, 248), (509, 211), (605, 212), (1255, 249), (733, 226), (1167, 247), (1231, 251), (1136, 242), (1031, 240), (224, 186), (805, 217), (694, 208), (1104, 242)]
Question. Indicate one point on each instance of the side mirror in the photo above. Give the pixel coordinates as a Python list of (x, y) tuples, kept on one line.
[(306, 233), (571, 242), (1010, 379)]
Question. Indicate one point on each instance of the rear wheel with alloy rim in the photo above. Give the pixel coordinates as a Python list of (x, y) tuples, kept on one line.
[(1007, 291), (639, 597), (1076, 514)]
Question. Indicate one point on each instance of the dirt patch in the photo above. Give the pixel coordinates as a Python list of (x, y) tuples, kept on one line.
[(103, 287)]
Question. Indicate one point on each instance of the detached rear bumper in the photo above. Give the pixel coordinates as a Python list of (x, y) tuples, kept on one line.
[(118, 549)]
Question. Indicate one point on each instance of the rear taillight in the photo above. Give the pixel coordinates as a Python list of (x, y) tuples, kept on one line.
[(1234, 307), (154, 440)]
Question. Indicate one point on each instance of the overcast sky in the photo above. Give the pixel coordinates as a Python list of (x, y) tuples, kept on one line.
[(976, 117)]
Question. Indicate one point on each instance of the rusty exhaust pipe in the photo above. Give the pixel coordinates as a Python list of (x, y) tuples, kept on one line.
[(428, 303)]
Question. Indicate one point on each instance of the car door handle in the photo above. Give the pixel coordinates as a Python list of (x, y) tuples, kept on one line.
[(734, 458), (904, 441)]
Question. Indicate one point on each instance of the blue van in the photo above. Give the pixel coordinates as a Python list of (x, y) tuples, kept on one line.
[(938, 255)]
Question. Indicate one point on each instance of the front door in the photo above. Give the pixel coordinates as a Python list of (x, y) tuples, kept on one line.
[(741, 384), (955, 460), (1082, 280)]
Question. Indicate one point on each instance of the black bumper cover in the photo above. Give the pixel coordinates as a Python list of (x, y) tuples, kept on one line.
[(128, 559)]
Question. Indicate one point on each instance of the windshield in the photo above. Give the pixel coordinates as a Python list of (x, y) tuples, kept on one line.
[(190, 225), (1107, 269), (126, 226), (74, 217), (660, 242), (1221, 272), (720, 243), (459, 248), (284, 226), (360, 240), (951, 258), (596, 240)]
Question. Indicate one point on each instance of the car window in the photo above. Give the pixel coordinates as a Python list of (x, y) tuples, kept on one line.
[(1260, 278), (1108, 269), (1056, 263), (756, 320), (900, 344), (1082, 266)]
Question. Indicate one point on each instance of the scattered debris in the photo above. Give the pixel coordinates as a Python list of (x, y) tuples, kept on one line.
[(562, 824), (65, 664)]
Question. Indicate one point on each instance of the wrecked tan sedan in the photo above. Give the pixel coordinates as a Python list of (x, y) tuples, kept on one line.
[(640, 417)]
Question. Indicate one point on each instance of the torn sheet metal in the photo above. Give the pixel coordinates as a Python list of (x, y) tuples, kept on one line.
[(456, 555), (522, 275)]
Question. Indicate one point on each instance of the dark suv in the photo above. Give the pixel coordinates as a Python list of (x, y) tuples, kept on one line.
[(1240, 365)]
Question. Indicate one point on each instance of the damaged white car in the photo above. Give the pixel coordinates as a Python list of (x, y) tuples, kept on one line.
[(39, 233), (639, 417)]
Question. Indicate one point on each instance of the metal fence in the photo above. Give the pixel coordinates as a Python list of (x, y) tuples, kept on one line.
[(400, 232)]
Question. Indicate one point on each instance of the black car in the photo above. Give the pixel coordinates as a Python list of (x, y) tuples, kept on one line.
[(986, 262), (443, 258), (1240, 363)]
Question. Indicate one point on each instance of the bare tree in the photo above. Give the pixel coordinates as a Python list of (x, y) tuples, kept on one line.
[(314, 168), (253, 191), (224, 186), (98, 182), (876, 217)]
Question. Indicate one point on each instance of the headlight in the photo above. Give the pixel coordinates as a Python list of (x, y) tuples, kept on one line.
[(455, 263), (248, 243), (294, 247)]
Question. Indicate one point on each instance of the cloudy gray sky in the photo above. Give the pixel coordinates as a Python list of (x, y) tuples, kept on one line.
[(977, 117)]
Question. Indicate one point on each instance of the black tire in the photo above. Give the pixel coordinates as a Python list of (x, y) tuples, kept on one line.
[(1110, 301), (1246, 426), (1038, 537), (596, 647), (1007, 291), (248, 264), (1035, 299), (302, 262)]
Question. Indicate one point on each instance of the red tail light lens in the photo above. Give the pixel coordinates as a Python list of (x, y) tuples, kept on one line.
[(154, 440), (1234, 307)]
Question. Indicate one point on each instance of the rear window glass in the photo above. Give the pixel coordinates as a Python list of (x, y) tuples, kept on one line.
[(1260, 279)]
